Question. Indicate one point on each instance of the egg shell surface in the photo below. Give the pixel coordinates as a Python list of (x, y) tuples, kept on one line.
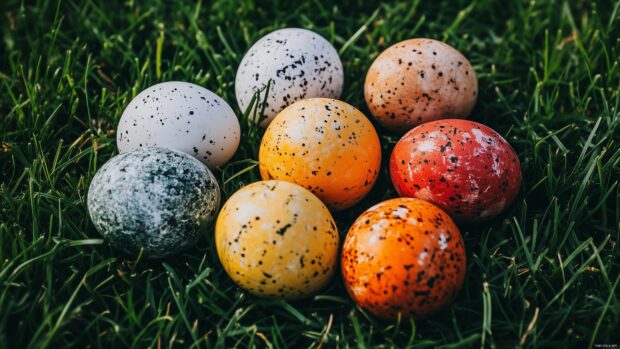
[(276, 239), (419, 80), (299, 63), (326, 146), (403, 257), (464, 167), (182, 116), (153, 199)]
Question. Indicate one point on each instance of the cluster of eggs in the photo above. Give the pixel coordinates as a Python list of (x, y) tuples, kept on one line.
[(277, 237)]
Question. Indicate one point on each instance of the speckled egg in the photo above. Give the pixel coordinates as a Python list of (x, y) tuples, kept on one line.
[(298, 62), (419, 80), (464, 167), (403, 257), (152, 199), (326, 146), (277, 240), (181, 116)]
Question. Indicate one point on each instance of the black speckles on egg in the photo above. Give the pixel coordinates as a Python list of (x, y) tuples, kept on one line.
[(297, 63), (152, 199)]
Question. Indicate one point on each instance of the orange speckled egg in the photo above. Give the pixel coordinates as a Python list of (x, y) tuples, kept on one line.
[(403, 256), (277, 240), (419, 80), (324, 145)]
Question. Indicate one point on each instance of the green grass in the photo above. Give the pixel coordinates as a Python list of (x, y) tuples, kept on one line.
[(544, 274)]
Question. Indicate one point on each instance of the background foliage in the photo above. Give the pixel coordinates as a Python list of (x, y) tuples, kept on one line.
[(545, 273)]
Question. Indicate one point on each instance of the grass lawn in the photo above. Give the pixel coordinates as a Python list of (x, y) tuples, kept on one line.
[(543, 274)]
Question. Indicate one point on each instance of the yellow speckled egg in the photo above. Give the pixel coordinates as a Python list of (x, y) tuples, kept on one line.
[(277, 240), (324, 145)]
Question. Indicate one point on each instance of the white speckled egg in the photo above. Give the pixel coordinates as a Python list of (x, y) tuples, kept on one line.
[(300, 63), (152, 199), (182, 116)]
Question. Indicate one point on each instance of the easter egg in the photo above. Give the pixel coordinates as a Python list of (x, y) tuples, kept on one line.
[(182, 116), (465, 168), (403, 257), (326, 146), (299, 64), (276, 239), (419, 80), (152, 199)]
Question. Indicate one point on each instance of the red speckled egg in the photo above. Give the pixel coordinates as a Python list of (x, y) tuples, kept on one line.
[(464, 167), (403, 257)]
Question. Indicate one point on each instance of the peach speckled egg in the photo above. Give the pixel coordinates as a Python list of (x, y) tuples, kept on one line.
[(419, 80), (403, 257), (276, 239), (464, 167), (326, 146)]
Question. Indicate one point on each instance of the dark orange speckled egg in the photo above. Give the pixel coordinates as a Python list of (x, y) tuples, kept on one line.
[(403, 257)]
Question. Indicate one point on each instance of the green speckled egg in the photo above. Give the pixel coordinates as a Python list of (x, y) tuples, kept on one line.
[(152, 199)]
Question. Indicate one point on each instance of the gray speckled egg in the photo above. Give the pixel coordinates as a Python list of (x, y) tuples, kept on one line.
[(153, 199), (182, 116), (300, 63)]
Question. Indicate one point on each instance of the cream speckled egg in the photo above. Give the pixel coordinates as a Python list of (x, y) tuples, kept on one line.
[(181, 116), (419, 80), (277, 240), (300, 63), (326, 146)]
